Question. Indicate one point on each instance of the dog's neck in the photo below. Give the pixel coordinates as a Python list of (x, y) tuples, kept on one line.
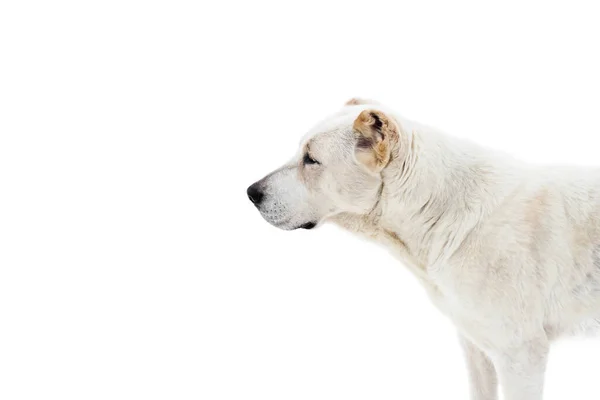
[(435, 190)]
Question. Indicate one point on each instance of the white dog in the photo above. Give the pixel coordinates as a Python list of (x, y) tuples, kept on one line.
[(510, 252)]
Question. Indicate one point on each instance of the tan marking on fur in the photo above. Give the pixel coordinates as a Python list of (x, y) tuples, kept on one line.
[(300, 173), (535, 209), (301, 167), (355, 101), (416, 267), (357, 223), (401, 245), (393, 236), (376, 131)]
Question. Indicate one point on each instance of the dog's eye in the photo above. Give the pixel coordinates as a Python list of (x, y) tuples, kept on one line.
[(309, 160)]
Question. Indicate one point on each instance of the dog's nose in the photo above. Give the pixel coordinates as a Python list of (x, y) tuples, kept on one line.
[(255, 194)]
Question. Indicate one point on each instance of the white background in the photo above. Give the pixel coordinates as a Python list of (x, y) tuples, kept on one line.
[(132, 265)]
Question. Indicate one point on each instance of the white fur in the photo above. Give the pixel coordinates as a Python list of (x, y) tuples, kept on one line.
[(509, 251)]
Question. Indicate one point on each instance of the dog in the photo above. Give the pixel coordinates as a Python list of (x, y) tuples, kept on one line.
[(510, 252)]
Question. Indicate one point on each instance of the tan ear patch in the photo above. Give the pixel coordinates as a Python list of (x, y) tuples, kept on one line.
[(355, 101), (375, 131)]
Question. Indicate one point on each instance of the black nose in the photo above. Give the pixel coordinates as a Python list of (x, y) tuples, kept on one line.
[(255, 194)]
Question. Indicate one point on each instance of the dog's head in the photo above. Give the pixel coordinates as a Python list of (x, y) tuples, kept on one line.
[(337, 169)]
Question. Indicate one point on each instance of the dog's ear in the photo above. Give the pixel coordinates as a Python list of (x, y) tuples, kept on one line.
[(355, 101), (375, 133)]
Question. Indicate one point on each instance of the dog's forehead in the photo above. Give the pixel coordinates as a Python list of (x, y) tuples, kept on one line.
[(331, 128)]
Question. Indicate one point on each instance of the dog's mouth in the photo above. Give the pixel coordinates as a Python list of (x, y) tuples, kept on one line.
[(287, 226), (286, 223), (308, 225)]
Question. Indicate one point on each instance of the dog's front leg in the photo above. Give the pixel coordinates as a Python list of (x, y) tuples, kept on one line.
[(521, 370), (483, 381)]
